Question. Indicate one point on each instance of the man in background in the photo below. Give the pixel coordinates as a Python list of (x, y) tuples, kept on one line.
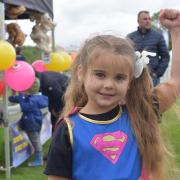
[(53, 85), (148, 39)]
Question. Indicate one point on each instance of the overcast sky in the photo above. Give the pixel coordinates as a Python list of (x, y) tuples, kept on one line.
[(78, 19)]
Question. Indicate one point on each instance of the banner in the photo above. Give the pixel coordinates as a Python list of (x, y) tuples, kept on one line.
[(46, 130), (21, 145)]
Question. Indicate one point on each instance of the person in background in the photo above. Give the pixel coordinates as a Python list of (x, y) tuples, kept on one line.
[(148, 39), (31, 103), (1, 120), (100, 139), (19, 55), (53, 85)]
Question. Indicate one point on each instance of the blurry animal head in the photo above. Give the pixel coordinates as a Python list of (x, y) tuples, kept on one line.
[(16, 35), (13, 11), (47, 23), (40, 38)]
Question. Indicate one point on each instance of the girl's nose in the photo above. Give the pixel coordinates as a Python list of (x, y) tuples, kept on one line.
[(108, 83)]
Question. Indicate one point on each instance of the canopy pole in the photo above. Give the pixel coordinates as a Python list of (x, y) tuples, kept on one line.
[(5, 102), (2, 29), (53, 39)]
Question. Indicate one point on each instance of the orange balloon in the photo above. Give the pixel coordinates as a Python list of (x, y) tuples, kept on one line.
[(73, 55)]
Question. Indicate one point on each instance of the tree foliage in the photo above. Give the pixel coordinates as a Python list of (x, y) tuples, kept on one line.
[(31, 53)]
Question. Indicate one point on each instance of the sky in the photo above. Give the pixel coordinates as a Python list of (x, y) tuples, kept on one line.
[(77, 20)]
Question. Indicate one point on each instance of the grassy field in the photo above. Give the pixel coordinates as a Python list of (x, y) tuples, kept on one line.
[(26, 173), (171, 132)]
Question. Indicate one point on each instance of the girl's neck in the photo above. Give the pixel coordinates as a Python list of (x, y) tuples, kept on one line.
[(94, 110), (104, 116)]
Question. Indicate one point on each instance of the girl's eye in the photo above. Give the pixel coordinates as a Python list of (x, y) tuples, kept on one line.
[(99, 74), (120, 77)]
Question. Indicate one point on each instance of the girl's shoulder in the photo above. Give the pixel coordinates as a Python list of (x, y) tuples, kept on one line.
[(63, 130), (63, 119)]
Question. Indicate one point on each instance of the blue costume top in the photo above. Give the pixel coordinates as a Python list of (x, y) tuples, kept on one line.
[(104, 150)]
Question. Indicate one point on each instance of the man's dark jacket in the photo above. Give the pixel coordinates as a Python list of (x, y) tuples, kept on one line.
[(53, 85), (152, 41)]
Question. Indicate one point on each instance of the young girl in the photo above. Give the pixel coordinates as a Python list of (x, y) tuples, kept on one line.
[(103, 139)]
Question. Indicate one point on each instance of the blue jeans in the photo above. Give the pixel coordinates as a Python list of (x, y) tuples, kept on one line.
[(156, 81), (35, 140)]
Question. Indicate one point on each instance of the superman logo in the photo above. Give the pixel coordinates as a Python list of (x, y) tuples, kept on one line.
[(110, 145)]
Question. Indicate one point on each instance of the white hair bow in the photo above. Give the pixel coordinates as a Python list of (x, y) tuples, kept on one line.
[(141, 62)]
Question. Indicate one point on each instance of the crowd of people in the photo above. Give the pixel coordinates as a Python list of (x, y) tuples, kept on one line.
[(105, 116)]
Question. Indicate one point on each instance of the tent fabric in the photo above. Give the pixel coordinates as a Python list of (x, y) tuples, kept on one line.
[(43, 6)]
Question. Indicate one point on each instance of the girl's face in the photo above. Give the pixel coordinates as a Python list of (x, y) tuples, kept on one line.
[(106, 82)]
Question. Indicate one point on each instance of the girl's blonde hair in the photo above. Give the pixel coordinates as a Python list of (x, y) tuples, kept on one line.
[(139, 100)]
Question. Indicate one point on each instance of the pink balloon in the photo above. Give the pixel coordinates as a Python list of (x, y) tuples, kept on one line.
[(39, 66), (20, 77)]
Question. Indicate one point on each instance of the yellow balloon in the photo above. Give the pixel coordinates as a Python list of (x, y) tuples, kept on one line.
[(67, 60), (7, 55), (56, 62)]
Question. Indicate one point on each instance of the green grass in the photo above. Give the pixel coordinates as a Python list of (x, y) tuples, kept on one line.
[(171, 127), (23, 172), (171, 132)]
